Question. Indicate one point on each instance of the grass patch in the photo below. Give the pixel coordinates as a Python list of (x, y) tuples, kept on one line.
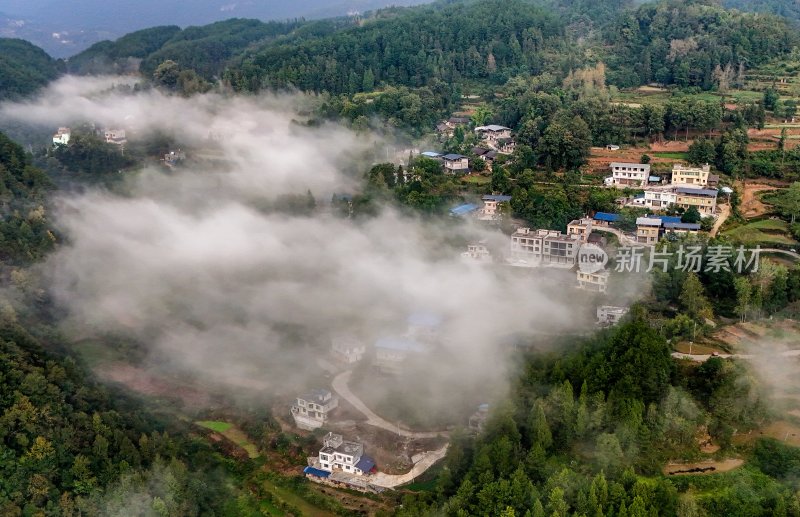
[(671, 155), (216, 426), (476, 180), (232, 433), (287, 496), (766, 232)]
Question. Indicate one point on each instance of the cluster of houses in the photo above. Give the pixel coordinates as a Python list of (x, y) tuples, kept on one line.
[(494, 140), (688, 187), (111, 136)]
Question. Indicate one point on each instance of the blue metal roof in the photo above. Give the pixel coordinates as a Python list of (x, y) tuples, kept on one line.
[(604, 216), (463, 209), (424, 319), (316, 472), (682, 226), (402, 344), (431, 154), (365, 464), (666, 218), (453, 157), (654, 179), (499, 199)]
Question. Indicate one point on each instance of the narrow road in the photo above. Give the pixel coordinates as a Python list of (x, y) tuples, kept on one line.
[(792, 254), (340, 386), (424, 463), (724, 213), (701, 358), (624, 239)]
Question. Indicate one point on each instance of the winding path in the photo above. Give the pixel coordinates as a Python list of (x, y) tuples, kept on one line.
[(426, 461), (340, 386), (792, 254), (724, 213), (701, 358)]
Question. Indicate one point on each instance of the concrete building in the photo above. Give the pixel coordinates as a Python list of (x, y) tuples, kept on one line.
[(492, 133), (62, 136), (455, 164), (630, 174), (580, 228), (647, 230), (312, 410), (172, 158), (489, 212), (694, 176), (477, 252), (478, 418), (679, 228), (393, 352), (659, 199), (705, 200), (533, 248), (347, 350), (608, 315), (596, 282), (338, 454), (605, 219), (115, 136)]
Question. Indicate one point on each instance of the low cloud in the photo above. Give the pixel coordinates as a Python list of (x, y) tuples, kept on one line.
[(187, 265)]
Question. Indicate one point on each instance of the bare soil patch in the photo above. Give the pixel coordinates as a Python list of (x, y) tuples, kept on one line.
[(703, 467)]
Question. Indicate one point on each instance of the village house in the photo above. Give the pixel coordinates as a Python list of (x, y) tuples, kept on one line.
[(347, 350), (705, 200), (533, 248), (62, 136), (392, 353), (454, 122), (656, 199), (172, 158), (580, 228), (608, 315), (596, 282), (478, 418), (338, 454), (485, 154), (464, 210), (455, 164), (605, 219), (629, 174), (647, 230), (115, 136), (491, 203), (680, 229), (312, 410), (492, 133), (433, 155), (478, 252), (505, 145), (695, 176)]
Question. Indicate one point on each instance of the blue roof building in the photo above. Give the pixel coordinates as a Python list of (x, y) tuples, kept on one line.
[(666, 218), (365, 464), (462, 210), (311, 471), (606, 217), (498, 199)]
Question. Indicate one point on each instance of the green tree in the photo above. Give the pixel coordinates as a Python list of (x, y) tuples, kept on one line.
[(693, 298)]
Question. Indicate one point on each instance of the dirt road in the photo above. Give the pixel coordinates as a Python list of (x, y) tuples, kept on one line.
[(723, 212), (425, 462), (340, 386), (752, 206)]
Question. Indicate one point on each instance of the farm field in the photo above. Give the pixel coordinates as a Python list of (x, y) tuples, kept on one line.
[(767, 232)]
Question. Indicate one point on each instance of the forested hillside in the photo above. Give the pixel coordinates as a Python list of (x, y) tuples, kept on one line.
[(206, 49), (24, 68), (788, 8), (69, 446)]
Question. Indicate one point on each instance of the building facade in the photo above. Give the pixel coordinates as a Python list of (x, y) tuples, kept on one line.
[(62, 136), (338, 454), (596, 282), (647, 230), (544, 248), (695, 176), (347, 350), (312, 410), (630, 174)]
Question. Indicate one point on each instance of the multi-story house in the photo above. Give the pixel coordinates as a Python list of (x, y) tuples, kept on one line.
[(62, 136), (608, 315), (491, 204), (339, 455), (455, 164), (695, 176), (596, 282), (705, 200), (347, 350), (647, 230), (580, 228), (630, 174), (312, 410), (492, 133), (115, 136), (478, 252), (543, 248), (659, 199)]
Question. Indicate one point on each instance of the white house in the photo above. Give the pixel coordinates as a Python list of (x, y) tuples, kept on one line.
[(62, 136), (630, 174), (659, 199), (596, 282), (533, 248), (477, 252), (312, 410), (115, 136), (347, 350), (609, 315), (338, 454), (492, 133)]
